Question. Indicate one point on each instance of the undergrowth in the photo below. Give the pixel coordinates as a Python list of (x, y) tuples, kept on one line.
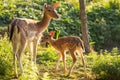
[(107, 65), (6, 63), (101, 66)]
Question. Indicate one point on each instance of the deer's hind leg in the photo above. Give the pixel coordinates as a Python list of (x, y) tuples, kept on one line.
[(14, 44), (83, 61), (22, 46), (74, 61)]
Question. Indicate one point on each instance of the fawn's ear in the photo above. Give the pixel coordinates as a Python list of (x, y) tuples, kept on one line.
[(52, 33), (45, 5), (55, 5)]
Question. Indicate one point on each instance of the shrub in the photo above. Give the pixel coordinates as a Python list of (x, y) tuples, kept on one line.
[(107, 67), (30, 70), (6, 58), (104, 25), (48, 54), (6, 62)]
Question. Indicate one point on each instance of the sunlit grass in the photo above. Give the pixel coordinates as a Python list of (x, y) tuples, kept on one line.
[(30, 70), (47, 67)]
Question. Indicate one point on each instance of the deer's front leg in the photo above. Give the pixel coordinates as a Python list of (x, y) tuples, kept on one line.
[(58, 61), (64, 60), (35, 43)]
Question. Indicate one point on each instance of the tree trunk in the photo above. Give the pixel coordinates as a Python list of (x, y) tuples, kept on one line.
[(84, 27)]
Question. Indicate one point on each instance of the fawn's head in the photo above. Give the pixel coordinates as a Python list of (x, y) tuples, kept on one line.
[(47, 37), (51, 10)]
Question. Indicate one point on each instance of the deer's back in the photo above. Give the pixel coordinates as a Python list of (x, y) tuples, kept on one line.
[(26, 23), (69, 42), (27, 26)]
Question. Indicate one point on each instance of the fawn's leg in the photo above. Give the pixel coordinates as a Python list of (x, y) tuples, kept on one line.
[(58, 61), (83, 61), (20, 50), (64, 61), (15, 58), (74, 61)]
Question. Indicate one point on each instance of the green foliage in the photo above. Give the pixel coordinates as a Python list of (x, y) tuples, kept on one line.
[(6, 62), (104, 29), (104, 24), (48, 54), (106, 67), (103, 18), (114, 4), (5, 56), (30, 70), (69, 16)]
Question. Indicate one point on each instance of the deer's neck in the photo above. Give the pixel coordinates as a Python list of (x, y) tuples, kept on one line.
[(52, 42), (43, 24)]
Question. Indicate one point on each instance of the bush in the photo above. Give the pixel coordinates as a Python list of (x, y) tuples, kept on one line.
[(6, 63), (107, 67), (48, 54), (30, 70), (104, 26), (6, 58)]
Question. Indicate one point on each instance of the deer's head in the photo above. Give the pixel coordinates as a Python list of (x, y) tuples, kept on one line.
[(48, 37), (51, 10)]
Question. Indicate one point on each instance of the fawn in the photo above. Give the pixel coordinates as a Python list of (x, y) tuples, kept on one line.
[(27, 31), (69, 43)]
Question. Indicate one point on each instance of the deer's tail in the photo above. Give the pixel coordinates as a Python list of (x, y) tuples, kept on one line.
[(11, 29)]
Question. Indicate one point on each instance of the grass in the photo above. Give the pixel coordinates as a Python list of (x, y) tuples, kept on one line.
[(47, 68)]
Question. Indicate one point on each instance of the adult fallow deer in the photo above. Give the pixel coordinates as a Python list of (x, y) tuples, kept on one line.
[(69, 43), (27, 31)]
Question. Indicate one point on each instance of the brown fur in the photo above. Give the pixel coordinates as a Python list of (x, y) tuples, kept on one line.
[(69, 43), (27, 31)]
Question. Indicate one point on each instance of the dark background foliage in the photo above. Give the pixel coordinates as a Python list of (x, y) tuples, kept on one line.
[(103, 20)]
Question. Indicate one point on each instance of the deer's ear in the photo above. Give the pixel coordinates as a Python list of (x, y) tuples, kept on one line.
[(55, 5), (45, 5), (52, 33)]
